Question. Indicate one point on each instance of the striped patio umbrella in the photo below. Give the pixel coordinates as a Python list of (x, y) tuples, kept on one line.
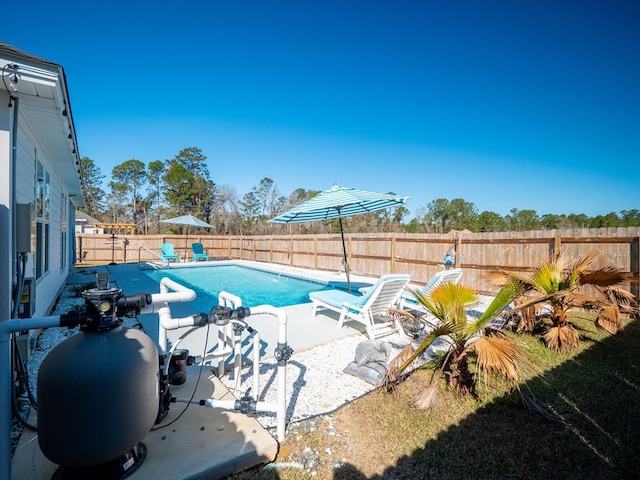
[(339, 202)]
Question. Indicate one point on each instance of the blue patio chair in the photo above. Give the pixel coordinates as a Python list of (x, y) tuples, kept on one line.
[(384, 294), (168, 252), (199, 253)]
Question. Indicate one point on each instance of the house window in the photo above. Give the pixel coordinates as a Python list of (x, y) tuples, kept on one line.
[(63, 231), (43, 214)]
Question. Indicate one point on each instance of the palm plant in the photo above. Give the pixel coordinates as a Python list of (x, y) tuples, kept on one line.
[(468, 341), (557, 284)]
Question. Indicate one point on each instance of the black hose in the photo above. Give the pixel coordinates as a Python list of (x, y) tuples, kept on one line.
[(23, 373), (17, 363), (14, 398), (195, 388)]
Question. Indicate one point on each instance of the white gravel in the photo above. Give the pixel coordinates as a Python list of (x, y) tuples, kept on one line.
[(316, 383)]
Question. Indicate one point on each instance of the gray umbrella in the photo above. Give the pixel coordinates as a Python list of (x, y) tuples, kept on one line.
[(338, 202), (190, 221)]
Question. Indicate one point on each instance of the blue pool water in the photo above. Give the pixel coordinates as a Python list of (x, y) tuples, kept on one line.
[(254, 287)]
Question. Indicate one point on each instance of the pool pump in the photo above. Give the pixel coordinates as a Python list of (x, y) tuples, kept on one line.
[(98, 391), (101, 391)]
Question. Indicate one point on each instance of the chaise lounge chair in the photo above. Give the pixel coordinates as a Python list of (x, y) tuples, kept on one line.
[(199, 253), (168, 253), (384, 294), (409, 302)]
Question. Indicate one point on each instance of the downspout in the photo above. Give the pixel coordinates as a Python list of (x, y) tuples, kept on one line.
[(12, 195)]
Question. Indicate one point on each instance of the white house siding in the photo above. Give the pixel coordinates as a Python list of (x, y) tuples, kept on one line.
[(29, 153)]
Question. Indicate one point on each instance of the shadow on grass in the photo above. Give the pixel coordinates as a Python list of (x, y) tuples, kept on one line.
[(598, 391)]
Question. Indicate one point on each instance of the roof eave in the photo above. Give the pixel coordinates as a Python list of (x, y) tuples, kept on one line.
[(43, 99)]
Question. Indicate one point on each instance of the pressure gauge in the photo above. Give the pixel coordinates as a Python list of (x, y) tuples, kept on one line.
[(104, 306)]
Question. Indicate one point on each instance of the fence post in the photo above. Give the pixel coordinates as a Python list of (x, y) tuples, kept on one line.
[(79, 259), (393, 254), (315, 253), (457, 248), (555, 244), (291, 251)]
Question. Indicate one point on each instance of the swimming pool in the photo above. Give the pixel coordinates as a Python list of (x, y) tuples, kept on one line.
[(253, 286)]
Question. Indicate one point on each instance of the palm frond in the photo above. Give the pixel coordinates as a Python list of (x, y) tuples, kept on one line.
[(547, 278), (497, 277), (442, 330), (448, 302), (534, 406), (528, 319), (396, 366), (604, 277), (428, 398), (502, 277), (423, 299), (507, 294), (609, 319), (581, 264), (622, 298), (453, 300), (561, 338), (497, 354), (561, 260), (578, 299)]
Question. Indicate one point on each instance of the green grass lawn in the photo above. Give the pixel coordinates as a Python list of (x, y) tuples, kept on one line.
[(595, 387)]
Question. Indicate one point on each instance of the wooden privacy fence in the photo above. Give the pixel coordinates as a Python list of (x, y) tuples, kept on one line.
[(420, 255)]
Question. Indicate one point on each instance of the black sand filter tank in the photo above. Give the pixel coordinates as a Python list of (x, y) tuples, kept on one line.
[(98, 392)]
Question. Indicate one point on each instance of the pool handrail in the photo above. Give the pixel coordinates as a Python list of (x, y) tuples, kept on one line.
[(162, 262)]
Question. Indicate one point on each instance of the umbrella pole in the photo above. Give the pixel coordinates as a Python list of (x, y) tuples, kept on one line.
[(186, 243), (344, 253)]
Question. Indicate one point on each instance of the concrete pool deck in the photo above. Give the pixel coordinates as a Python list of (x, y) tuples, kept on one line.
[(204, 443)]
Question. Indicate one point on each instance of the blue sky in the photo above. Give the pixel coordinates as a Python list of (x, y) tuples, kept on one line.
[(526, 104)]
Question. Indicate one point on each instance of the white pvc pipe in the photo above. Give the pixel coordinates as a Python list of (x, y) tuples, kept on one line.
[(211, 403), (170, 323), (226, 299), (280, 406), (281, 410), (7, 327), (237, 357), (256, 364), (268, 407), (159, 304), (229, 300), (228, 404), (180, 293), (224, 341)]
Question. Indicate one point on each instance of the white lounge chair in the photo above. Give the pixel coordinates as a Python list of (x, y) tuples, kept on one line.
[(409, 302), (384, 294)]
